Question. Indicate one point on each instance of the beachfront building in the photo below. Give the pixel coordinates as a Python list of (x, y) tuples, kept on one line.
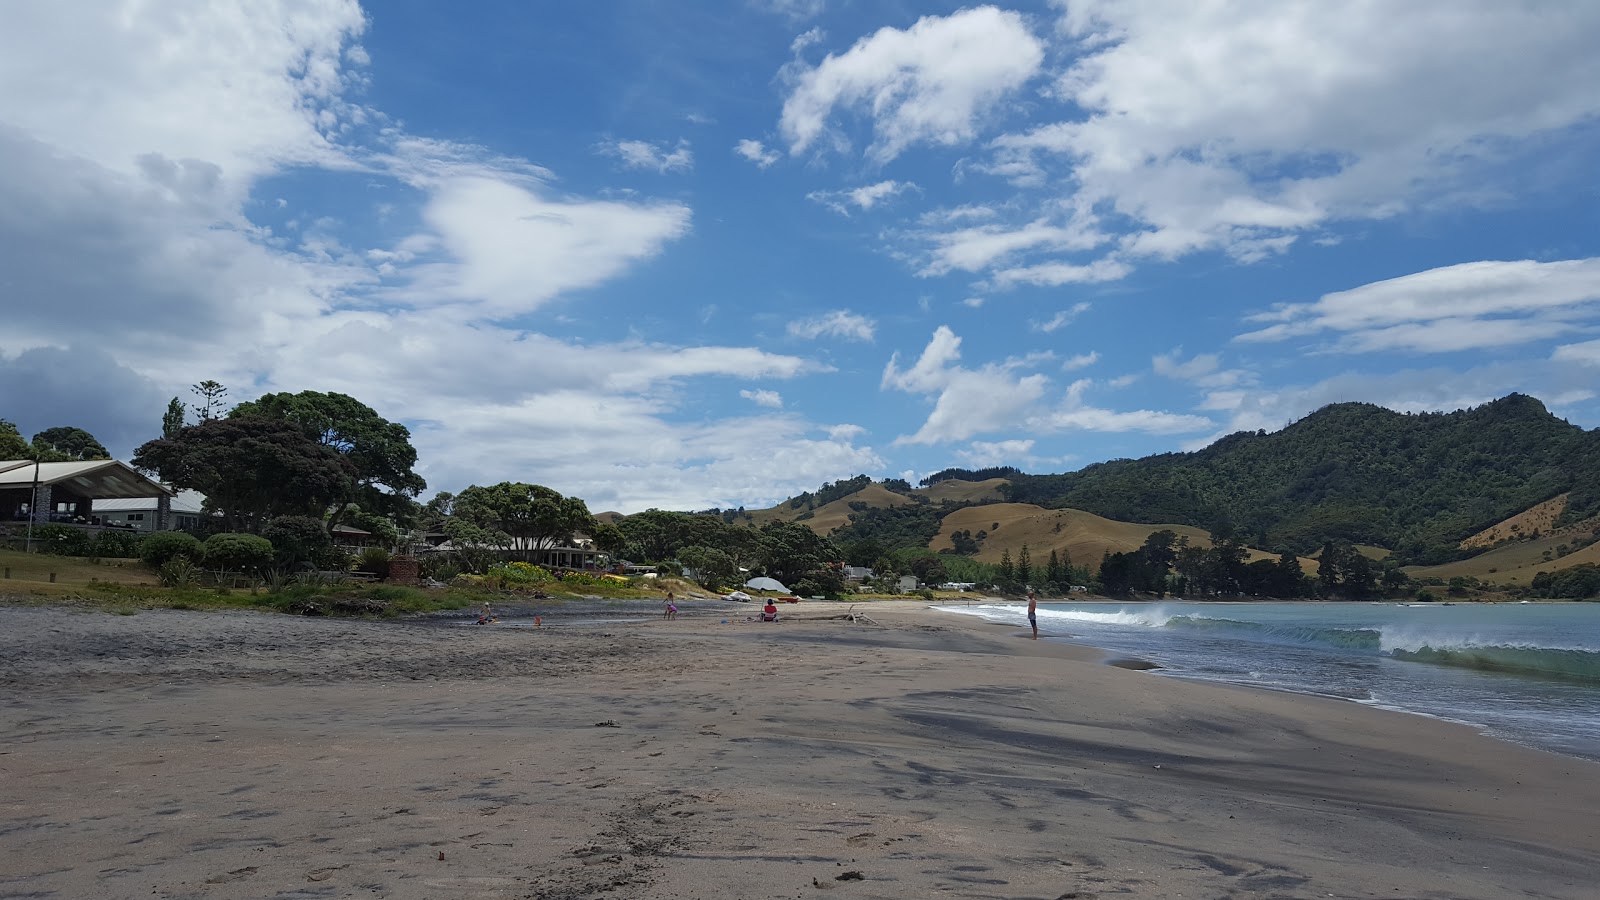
[(141, 513), (72, 492)]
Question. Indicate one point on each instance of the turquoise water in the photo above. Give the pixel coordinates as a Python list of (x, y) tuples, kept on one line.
[(1523, 672)]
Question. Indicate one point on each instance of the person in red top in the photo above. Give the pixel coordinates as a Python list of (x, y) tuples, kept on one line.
[(769, 613)]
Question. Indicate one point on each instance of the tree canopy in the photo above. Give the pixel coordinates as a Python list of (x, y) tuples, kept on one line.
[(251, 469), (380, 453), (522, 518), (66, 444), (12, 446)]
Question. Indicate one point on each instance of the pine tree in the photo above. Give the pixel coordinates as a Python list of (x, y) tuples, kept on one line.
[(1024, 567), (1006, 574), (211, 394), (1052, 569), (172, 421)]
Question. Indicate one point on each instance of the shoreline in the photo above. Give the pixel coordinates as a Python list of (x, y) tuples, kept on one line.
[(185, 754)]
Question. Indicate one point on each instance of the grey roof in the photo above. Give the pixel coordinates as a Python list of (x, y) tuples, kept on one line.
[(95, 478), (186, 502)]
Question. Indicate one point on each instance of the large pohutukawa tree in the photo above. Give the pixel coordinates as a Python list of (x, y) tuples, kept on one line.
[(252, 470), (379, 451)]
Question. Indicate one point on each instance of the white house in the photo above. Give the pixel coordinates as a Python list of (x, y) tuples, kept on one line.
[(140, 513)]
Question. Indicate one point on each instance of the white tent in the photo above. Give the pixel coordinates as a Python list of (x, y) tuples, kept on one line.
[(740, 596), (766, 584)]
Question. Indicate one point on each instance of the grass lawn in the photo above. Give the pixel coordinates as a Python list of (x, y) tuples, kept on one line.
[(37, 567)]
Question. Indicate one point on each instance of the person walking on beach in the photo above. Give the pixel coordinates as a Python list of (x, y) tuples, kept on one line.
[(1033, 613), (671, 612)]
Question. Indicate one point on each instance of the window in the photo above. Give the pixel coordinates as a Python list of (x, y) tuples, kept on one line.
[(135, 517)]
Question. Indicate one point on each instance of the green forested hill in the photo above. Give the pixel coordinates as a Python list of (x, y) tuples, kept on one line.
[(1416, 483)]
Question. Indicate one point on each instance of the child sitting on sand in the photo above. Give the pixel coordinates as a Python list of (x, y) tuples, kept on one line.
[(487, 616), (769, 613)]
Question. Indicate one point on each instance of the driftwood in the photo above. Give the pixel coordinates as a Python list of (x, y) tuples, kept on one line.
[(850, 616)]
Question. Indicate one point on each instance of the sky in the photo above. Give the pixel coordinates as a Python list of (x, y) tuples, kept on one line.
[(689, 255)]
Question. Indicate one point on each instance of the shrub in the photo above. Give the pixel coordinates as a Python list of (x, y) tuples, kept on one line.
[(333, 559), (120, 543), (518, 573), (61, 540), (374, 560), (296, 540), (238, 552), (164, 546), (179, 572)]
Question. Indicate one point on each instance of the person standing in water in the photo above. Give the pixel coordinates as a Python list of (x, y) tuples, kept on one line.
[(1033, 613)]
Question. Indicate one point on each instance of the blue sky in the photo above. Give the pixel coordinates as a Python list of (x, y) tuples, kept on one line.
[(690, 255)]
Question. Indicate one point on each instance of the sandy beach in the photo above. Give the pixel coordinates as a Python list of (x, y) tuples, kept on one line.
[(176, 754)]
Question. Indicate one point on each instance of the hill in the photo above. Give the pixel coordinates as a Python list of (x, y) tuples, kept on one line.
[(1538, 519), (1418, 484), (1081, 536)]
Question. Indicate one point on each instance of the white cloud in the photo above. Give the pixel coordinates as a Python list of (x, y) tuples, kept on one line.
[(1586, 353), (863, 198), (996, 397), (981, 247), (930, 83), (1461, 307), (1061, 319), (840, 323), (985, 454), (647, 155), (1243, 126), (1056, 274), (973, 302), (1081, 361), (508, 248), (757, 152), (769, 399)]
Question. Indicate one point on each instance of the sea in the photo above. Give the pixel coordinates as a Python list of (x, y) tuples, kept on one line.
[(1528, 673)]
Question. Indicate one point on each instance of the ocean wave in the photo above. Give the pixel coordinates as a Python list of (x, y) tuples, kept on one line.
[(1362, 639), (1552, 662)]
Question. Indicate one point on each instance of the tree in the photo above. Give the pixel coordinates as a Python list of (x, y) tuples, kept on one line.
[(172, 419), (712, 568), (523, 518), (12, 446), (1052, 569), (790, 550), (379, 451), (251, 470), (1024, 567), (67, 444), (1006, 575), (930, 569), (609, 539), (211, 394)]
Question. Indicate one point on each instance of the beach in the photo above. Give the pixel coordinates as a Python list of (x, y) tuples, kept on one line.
[(179, 754)]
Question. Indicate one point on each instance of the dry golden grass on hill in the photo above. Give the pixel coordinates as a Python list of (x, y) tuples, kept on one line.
[(1540, 517), (1516, 563), (1084, 537), (957, 491)]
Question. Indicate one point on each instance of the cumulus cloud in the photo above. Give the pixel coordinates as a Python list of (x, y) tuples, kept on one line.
[(793, 10), (769, 399), (930, 83), (862, 198), (757, 152), (997, 396), (1467, 306), (1243, 126), (648, 155), (840, 323)]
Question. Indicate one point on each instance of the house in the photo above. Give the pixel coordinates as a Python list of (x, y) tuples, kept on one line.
[(857, 573), (907, 583), (140, 512), (74, 492)]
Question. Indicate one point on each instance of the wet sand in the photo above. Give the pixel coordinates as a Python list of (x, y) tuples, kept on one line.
[(237, 755)]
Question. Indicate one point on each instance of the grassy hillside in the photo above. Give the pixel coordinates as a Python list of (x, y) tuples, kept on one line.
[(1517, 562), (956, 491), (1418, 484), (1083, 536), (1540, 518)]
